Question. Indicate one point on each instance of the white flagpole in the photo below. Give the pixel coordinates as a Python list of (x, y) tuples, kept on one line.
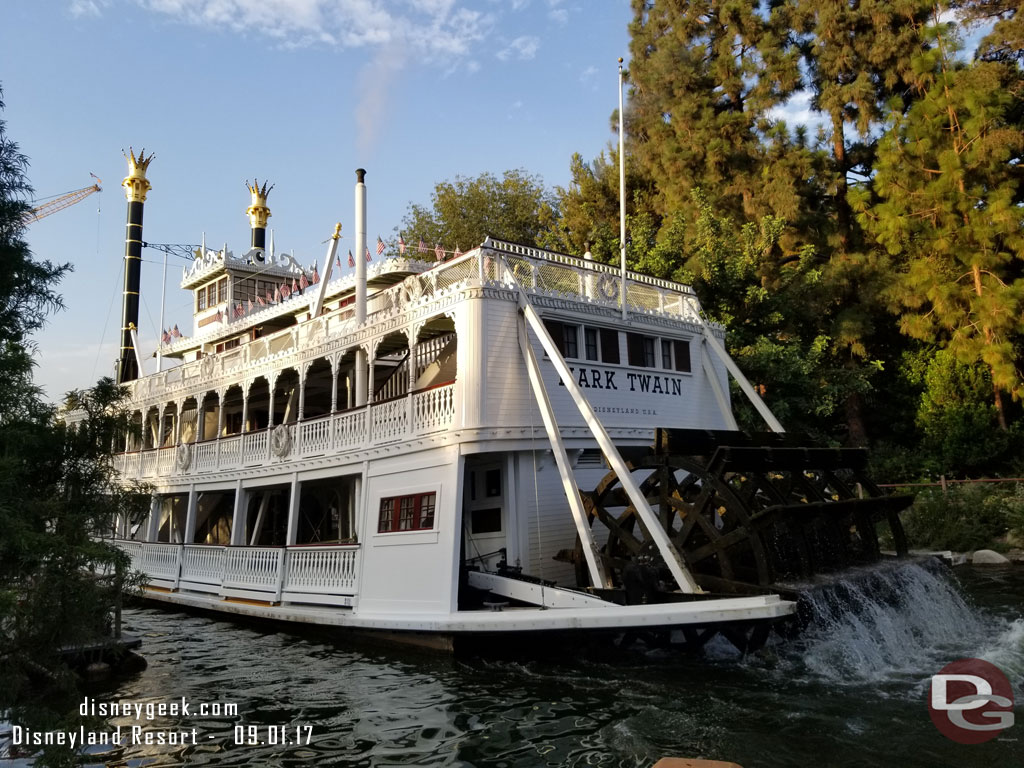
[(622, 201), (163, 303)]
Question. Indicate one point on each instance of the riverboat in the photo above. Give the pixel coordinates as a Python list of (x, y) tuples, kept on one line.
[(402, 448)]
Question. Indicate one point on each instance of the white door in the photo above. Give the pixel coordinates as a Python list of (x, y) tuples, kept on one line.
[(484, 517)]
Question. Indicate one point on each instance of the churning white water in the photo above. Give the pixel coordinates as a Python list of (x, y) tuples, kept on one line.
[(900, 621)]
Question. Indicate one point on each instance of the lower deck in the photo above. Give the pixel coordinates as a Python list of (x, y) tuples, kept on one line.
[(318, 586)]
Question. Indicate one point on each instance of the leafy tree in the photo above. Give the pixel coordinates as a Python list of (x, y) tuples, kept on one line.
[(517, 207), (57, 487), (768, 304), (704, 78), (949, 182)]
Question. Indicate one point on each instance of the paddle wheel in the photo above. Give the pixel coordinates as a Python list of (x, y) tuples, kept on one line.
[(747, 513)]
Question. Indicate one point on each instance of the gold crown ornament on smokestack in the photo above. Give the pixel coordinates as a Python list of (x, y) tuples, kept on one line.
[(135, 184), (258, 212)]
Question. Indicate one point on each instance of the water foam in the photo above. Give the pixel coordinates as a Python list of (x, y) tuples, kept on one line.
[(904, 620)]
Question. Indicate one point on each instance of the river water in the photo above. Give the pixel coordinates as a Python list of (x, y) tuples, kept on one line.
[(852, 692)]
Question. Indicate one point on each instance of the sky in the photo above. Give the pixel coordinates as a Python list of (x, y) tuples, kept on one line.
[(299, 92)]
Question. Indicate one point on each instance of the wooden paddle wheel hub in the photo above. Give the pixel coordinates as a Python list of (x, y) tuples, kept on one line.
[(746, 512)]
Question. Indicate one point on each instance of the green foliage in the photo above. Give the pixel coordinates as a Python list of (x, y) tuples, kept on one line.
[(949, 211), (771, 307), (965, 517), (516, 207), (58, 489), (957, 419)]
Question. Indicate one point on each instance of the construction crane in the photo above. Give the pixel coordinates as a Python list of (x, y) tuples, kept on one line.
[(60, 202)]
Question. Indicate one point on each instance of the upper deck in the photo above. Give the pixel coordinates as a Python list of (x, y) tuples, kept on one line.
[(441, 344)]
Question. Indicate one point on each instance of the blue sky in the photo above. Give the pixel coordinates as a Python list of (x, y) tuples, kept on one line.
[(300, 92)]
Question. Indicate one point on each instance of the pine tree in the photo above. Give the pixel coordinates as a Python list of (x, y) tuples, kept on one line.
[(949, 179), (704, 77)]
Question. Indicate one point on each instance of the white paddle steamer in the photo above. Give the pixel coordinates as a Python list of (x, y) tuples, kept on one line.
[(402, 448)]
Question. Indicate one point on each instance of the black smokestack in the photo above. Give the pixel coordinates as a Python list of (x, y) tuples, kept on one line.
[(136, 185)]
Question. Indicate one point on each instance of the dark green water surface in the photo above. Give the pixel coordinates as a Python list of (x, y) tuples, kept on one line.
[(851, 693)]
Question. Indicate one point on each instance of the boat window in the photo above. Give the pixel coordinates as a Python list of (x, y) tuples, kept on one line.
[(666, 354), (591, 348), (681, 355), (485, 520), (641, 350), (407, 513), (557, 334), (492, 481), (570, 340)]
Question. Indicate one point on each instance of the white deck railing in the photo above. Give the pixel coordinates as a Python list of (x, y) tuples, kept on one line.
[(418, 413), (202, 567), (318, 574)]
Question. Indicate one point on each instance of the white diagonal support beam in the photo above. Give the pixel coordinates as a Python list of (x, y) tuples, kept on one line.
[(716, 388), (748, 389), (598, 577)]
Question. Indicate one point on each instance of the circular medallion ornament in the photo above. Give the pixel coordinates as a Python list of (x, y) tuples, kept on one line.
[(316, 332), (281, 440), (608, 286), (412, 288), (206, 367), (183, 457)]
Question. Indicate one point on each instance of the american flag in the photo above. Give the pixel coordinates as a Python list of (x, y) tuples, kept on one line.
[(238, 309), (368, 258), (380, 246), (285, 291), (270, 298), (316, 274), (249, 308), (260, 301), (439, 251), (401, 244), (337, 261), (277, 294), (458, 252), (175, 333), (166, 337), (303, 282), (351, 261), (295, 286), (422, 247)]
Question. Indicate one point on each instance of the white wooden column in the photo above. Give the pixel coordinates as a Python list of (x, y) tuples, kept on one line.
[(335, 365), (245, 406), (190, 515), (303, 370), (152, 528), (238, 518), (220, 412), (272, 381), (293, 511)]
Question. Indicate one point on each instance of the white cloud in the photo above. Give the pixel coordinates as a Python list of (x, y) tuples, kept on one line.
[(559, 15), (437, 29), (440, 32), (523, 48), (88, 7)]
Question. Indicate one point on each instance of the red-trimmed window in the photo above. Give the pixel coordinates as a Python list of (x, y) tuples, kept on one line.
[(407, 513)]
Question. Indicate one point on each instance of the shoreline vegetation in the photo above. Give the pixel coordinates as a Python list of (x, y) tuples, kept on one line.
[(869, 267)]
